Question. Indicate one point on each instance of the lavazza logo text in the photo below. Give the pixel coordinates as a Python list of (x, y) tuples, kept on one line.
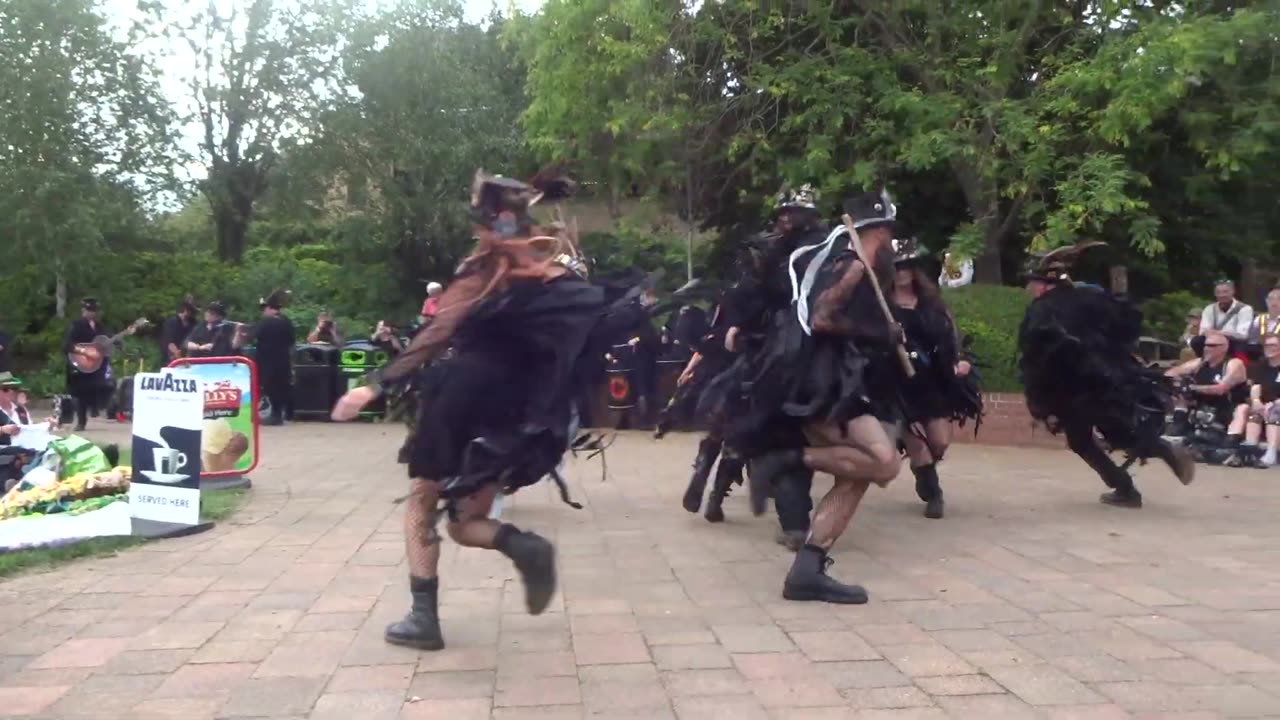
[(169, 383)]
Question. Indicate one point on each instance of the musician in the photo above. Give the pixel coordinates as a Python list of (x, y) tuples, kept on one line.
[(274, 355), (176, 329), (89, 389), (215, 337)]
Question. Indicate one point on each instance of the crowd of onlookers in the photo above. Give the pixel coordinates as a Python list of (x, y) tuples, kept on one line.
[(1228, 408)]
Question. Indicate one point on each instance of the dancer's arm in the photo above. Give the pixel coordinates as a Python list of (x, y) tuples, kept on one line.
[(455, 303), (828, 315)]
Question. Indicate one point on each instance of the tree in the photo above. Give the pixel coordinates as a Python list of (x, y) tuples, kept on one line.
[(255, 78), (82, 129)]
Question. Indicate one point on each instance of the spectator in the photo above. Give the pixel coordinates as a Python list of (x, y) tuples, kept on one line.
[(1192, 340), (387, 338), (1217, 382), (216, 336), (431, 305), (1263, 408), (1227, 314), (326, 330), (1267, 324), (175, 330), (275, 338), (6, 341)]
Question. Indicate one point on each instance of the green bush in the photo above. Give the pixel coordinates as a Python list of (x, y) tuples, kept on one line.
[(1165, 317), (990, 315)]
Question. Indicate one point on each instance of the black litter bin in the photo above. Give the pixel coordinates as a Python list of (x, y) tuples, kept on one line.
[(356, 360), (619, 376), (315, 380)]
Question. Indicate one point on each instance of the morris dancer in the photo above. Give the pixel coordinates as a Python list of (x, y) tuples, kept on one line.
[(943, 388), (1081, 377), (497, 414)]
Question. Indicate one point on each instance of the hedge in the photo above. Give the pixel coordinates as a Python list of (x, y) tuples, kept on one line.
[(990, 315)]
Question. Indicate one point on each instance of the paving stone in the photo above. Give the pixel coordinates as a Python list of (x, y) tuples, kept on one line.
[(274, 696), (454, 685), (959, 685), (23, 701)]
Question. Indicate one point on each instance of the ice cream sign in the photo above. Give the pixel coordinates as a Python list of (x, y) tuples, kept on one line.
[(221, 400)]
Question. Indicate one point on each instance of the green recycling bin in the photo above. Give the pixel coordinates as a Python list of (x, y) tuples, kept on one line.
[(356, 360)]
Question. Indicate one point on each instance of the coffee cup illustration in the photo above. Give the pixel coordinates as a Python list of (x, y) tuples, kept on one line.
[(168, 461)]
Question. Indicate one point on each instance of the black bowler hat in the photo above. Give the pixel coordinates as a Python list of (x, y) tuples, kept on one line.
[(90, 304)]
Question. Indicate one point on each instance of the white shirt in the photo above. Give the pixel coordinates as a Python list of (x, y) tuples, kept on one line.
[(1236, 326)]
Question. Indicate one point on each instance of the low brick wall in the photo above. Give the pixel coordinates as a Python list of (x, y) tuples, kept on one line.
[(1007, 422)]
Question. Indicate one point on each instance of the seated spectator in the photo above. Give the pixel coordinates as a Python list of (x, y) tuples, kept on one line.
[(431, 305), (14, 416), (1267, 324), (1217, 382), (1263, 408), (1227, 314), (1192, 341), (325, 332)]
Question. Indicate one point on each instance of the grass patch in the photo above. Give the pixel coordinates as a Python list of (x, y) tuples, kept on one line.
[(215, 505)]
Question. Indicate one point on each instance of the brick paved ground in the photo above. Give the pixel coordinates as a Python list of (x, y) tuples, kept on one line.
[(1029, 601)]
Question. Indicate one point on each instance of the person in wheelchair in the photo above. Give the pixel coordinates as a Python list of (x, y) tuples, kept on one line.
[(1213, 386)]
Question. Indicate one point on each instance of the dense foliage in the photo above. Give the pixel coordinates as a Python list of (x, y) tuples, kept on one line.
[(327, 145)]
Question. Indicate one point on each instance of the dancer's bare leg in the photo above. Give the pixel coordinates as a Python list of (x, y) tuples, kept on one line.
[(924, 462), (472, 526), (865, 454)]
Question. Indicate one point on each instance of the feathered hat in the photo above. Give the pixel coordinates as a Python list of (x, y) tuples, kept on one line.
[(276, 299), (870, 209), (495, 196), (907, 250), (1055, 265), (805, 198)]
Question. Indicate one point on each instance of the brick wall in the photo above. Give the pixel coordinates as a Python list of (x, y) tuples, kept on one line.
[(1007, 422)]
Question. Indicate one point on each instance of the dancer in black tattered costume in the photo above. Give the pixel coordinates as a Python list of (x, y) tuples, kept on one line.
[(944, 388), (1081, 376), (497, 411), (825, 372)]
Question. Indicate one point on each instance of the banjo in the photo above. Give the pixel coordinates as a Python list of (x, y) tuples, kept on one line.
[(88, 357)]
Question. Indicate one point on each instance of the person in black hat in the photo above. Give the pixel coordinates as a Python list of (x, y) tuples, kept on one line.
[(216, 336), (1081, 376), (274, 337), (943, 388), (830, 370), (176, 328), (497, 412), (88, 389)]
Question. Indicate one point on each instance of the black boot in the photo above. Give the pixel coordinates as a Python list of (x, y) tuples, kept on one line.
[(419, 629), (535, 557), (1123, 493), (1181, 425), (928, 489), (765, 469), (729, 472), (808, 580), (708, 451), (1178, 459)]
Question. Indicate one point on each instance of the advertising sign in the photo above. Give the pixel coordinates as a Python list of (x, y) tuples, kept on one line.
[(230, 431), (168, 410)]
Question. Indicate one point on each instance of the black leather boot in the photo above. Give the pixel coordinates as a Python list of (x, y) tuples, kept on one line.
[(1179, 460), (419, 629), (808, 580), (535, 558), (708, 451), (729, 472), (928, 489)]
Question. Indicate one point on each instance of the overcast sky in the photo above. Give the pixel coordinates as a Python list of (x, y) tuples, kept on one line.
[(122, 13)]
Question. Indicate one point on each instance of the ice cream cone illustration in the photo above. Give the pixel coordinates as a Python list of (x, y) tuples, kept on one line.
[(221, 446)]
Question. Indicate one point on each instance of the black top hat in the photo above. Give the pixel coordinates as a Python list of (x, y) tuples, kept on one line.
[(275, 299), (871, 209), (907, 250), (90, 304), (216, 306)]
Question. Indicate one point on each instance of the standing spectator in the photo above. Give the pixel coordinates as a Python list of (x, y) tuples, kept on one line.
[(274, 355), (175, 330), (6, 343), (386, 338), (326, 330), (1227, 314), (431, 305), (215, 337)]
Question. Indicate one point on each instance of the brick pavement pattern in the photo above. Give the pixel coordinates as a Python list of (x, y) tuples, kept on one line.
[(1030, 600)]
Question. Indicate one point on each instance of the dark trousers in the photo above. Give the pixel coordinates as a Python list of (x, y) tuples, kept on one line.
[(1080, 439), (793, 500), (277, 386)]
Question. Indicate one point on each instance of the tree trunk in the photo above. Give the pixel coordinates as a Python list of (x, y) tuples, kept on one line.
[(60, 295), (1119, 280), (232, 230), (987, 267)]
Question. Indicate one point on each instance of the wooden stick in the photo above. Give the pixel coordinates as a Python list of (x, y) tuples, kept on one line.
[(905, 359)]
